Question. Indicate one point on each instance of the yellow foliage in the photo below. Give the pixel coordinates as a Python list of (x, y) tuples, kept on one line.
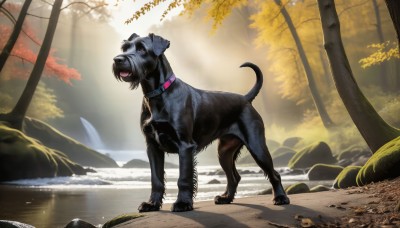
[(383, 52)]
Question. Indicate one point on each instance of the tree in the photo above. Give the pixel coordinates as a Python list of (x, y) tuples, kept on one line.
[(326, 120), (17, 115), (394, 11), (14, 36), (375, 131)]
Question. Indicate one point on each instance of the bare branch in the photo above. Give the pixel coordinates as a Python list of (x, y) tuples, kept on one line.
[(33, 15), (2, 2), (48, 3), (8, 14)]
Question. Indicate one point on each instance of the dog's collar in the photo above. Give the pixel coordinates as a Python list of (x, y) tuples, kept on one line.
[(162, 87)]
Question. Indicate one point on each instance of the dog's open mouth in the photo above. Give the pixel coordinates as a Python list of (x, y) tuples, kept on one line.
[(125, 74)]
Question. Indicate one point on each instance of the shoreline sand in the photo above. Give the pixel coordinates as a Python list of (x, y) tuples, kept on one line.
[(321, 208)]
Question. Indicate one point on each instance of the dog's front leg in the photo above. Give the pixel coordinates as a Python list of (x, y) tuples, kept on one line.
[(156, 159), (187, 181)]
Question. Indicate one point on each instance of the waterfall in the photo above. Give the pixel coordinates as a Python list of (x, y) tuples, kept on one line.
[(94, 139)]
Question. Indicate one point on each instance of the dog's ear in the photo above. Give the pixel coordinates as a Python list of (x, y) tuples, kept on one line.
[(133, 36), (159, 44)]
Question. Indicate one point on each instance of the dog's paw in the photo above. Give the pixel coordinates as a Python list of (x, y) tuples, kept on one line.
[(281, 199), (181, 207), (147, 206), (223, 199)]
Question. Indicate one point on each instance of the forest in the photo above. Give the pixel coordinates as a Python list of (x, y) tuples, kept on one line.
[(331, 81)]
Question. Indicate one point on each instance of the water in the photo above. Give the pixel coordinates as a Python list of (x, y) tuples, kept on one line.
[(94, 140), (97, 197)]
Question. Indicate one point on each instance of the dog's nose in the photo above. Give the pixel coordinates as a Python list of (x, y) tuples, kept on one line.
[(119, 59)]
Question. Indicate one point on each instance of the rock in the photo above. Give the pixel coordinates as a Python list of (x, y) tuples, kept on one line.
[(324, 172), (282, 156), (246, 159), (347, 178), (292, 141), (13, 224), (265, 192), (137, 163), (311, 155), (78, 223), (121, 219), (384, 164), (76, 151), (354, 152), (319, 188), (22, 157), (244, 172), (214, 181), (297, 188), (272, 144)]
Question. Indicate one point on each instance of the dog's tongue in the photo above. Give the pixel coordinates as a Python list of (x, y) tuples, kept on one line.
[(124, 74)]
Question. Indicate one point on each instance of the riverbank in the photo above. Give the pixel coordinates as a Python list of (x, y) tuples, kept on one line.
[(375, 204)]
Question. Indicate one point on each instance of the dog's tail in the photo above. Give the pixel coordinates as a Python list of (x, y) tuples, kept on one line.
[(256, 88)]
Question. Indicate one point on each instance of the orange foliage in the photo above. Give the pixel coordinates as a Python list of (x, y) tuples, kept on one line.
[(22, 52)]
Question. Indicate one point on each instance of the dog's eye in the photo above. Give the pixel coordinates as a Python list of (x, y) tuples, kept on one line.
[(140, 49)]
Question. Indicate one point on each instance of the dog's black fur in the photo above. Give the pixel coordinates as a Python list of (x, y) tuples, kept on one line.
[(184, 120)]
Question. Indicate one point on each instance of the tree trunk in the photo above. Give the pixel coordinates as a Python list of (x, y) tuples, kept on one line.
[(326, 120), (17, 115), (383, 78), (394, 11), (375, 131), (14, 35)]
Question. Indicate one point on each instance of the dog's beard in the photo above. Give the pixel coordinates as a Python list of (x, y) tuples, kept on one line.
[(134, 75)]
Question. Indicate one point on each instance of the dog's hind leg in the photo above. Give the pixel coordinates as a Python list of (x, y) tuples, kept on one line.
[(228, 149), (156, 159), (254, 132)]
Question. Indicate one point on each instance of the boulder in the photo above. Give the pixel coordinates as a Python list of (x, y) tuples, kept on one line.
[(292, 141), (265, 192), (354, 152), (297, 188), (319, 188), (282, 156), (347, 178), (246, 159), (272, 144), (78, 223), (317, 153), (22, 157), (138, 163), (121, 219), (384, 164), (76, 151), (14, 224), (324, 172), (214, 181)]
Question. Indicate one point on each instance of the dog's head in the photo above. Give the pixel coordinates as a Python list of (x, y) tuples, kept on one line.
[(139, 58)]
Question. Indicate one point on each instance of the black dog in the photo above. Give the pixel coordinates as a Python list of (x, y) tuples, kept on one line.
[(177, 118)]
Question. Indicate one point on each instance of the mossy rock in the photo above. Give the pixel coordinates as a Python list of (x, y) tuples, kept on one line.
[(282, 156), (384, 164), (23, 157), (319, 188), (297, 188), (138, 163), (121, 219), (76, 151), (292, 142), (347, 178), (324, 172), (272, 144), (317, 153), (265, 192)]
